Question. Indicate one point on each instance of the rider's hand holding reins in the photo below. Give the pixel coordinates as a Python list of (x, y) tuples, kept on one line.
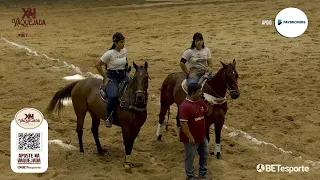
[(192, 75)]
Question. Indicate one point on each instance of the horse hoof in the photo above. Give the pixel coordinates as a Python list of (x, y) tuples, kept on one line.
[(218, 155), (212, 153), (101, 153), (81, 150), (159, 137)]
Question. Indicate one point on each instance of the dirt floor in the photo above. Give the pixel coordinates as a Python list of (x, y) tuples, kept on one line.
[(279, 82)]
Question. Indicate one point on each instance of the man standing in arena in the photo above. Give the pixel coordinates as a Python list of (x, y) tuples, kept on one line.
[(191, 114)]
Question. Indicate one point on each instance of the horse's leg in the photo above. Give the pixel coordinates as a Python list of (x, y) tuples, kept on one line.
[(163, 112), (129, 137), (217, 129), (80, 120), (178, 121), (95, 130), (208, 134), (80, 108)]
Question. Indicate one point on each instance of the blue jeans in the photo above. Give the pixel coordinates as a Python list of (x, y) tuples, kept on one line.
[(203, 151), (197, 78), (112, 89)]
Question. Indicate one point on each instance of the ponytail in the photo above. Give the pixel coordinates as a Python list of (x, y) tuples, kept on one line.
[(113, 46)]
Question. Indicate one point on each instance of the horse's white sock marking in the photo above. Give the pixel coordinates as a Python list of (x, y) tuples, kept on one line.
[(159, 129), (217, 148)]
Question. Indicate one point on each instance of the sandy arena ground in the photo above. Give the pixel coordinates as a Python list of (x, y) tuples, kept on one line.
[(279, 82)]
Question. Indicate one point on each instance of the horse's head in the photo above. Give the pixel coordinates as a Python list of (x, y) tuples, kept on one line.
[(231, 78), (140, 81)]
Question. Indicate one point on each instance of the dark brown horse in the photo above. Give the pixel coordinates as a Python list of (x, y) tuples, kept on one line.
[(214, 91), (86, 98)]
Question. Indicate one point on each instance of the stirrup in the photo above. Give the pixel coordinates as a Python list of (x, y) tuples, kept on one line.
[(108, 123)]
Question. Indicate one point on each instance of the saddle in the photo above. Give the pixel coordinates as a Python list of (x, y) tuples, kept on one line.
[(205, 96), (121, 89), (124, 102), (202, 81)]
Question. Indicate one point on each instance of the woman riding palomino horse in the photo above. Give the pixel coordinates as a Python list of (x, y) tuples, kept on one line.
[(214, 90)]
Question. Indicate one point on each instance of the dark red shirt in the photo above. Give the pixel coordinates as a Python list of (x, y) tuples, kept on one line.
[(193, 112)]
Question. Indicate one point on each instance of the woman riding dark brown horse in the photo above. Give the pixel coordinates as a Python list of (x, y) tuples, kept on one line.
[(214, 91), (130, 114)]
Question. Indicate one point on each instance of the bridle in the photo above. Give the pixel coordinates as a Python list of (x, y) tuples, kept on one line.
[(145, 96), (230, 90)]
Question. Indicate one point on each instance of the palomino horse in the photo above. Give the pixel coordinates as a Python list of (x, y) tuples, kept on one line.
[(86, 98), (214, 90)]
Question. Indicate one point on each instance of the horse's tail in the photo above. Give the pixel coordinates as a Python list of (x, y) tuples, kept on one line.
[(57, 100)]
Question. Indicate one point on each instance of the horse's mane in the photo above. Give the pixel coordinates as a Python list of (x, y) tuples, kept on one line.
[(217, 74)]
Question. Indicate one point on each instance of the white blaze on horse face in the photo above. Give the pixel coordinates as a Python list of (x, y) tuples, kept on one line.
[(159, 129)]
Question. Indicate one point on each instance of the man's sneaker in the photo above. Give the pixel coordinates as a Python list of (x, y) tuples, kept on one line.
[(108, 123)]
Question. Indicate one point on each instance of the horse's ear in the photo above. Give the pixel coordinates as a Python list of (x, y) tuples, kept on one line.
[(234, 63), (224, 65), (134, 65), (129, 69), (146, 65)]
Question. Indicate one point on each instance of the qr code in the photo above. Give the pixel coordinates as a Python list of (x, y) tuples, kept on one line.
[(29, 141)]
